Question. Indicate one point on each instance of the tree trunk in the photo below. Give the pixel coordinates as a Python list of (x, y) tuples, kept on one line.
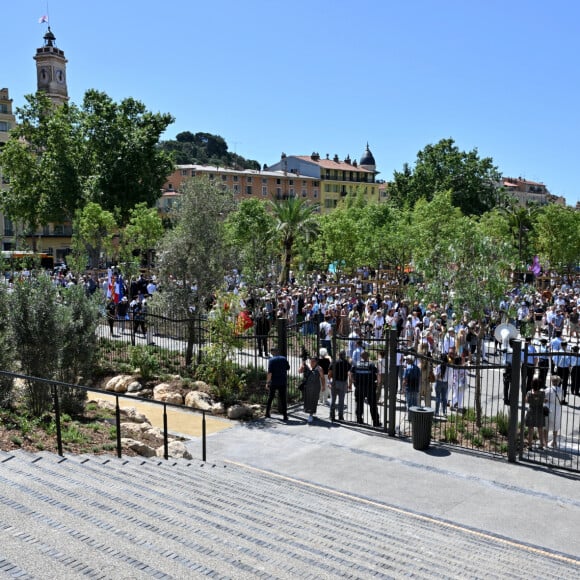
[(478, 377)]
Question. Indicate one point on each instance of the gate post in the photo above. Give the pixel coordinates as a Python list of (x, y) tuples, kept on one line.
[(282, 330), (514, 400), (392, 380)]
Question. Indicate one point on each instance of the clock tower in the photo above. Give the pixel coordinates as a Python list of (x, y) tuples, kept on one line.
[(51, 70)]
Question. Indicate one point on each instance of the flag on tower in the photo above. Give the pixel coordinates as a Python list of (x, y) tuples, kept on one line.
[(43, 18)]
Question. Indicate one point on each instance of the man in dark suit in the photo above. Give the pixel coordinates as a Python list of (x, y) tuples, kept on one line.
[(277, 380)]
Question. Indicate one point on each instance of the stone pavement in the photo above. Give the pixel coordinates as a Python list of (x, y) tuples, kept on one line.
[(289, 500)]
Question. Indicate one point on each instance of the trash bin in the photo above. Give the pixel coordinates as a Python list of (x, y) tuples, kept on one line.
[(421, 421)]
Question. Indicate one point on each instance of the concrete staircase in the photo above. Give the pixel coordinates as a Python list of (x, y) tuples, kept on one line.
[(103, 517)]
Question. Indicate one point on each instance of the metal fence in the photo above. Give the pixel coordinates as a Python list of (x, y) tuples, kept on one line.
[(478, 416)]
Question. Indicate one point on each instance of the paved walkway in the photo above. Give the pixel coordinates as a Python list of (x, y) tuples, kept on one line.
[(510, 504)]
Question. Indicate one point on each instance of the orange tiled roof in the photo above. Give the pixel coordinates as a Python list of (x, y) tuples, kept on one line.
[(330, 164)]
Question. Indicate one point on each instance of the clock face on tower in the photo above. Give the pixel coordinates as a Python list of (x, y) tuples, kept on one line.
[(44, 74)]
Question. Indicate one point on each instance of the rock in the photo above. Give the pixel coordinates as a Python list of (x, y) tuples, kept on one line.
[(119, 383), (134, 387), (239, 412), (134, 430), (218, 409), (201, 386), (105, 404), (175, 449), (134, 416), (198, 400), (138, 447), (168, 394), (153, 436)]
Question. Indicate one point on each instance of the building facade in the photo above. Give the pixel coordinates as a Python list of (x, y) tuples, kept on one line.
[(244, 183), (338, 177), (526, 192)]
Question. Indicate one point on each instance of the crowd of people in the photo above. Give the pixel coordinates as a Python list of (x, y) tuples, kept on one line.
[(437, 343)]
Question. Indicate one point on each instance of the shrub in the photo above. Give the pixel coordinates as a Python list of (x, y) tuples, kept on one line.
[(502, 422), (142, 358), (451, 434), (487, 432), (72, 434)]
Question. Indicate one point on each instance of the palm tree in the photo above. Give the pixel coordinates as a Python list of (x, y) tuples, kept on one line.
[(294, 217), (521, 221)]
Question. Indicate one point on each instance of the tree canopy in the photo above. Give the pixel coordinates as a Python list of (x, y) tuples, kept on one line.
[(193, 256), (205, 149), (472, 181), (60, 158)]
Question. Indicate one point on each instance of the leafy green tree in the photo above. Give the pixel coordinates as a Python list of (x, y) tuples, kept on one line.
[(60, 158), (468, 268), (521, 221), (35, 326), (94, 229), (338, 239), (193, 257), (142, 234), (249, 232), (435, 230), (557, 237), (122, 142), (205, 149), (79, 317), (294, 218), (45, 162), (441, 167)]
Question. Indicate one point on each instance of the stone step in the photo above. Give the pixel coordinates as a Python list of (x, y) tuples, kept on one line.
[(131, 517)]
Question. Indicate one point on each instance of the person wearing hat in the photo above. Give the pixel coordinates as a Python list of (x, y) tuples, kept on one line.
[(364, 377), (448, 340), (411, 381)]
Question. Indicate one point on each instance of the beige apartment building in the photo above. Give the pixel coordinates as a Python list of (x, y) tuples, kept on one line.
[(244, 183)]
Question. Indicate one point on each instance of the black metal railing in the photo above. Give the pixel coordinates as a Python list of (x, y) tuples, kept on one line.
[(56, 395)]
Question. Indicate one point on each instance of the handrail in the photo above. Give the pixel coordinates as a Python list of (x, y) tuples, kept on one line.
[(55, 384)]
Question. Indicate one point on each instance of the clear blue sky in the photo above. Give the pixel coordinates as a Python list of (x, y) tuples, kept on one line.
[(300, 76)]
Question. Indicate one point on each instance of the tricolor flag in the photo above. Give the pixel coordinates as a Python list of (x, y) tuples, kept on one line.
[(112, 287), (119, 290), (43, 18)]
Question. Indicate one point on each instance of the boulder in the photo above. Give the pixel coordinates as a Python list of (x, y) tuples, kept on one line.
[(198, 400), (134, 387), (175, 449), (119, 383), (153, 436), (134, 430), (201, 386), (138, 447), (240, 412), (168, 394), (131, 414)]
